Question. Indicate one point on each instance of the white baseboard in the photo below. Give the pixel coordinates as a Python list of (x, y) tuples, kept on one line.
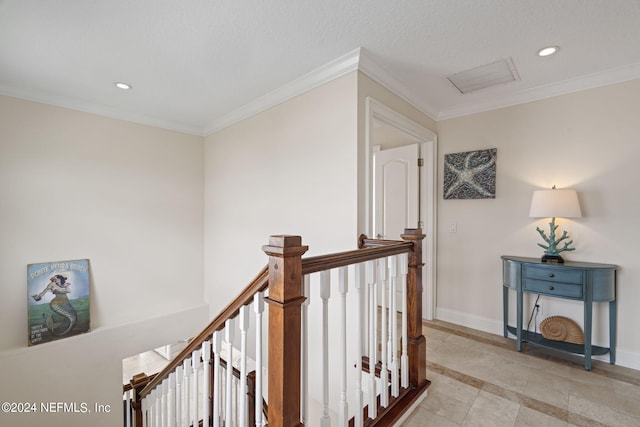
[(624, 357)]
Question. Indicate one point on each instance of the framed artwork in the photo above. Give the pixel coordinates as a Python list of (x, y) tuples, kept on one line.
[(58, 294), (470, 175)]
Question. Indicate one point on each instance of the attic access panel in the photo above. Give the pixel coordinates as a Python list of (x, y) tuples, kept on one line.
[(499, 72)]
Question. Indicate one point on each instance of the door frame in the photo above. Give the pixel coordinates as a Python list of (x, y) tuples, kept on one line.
[(377, 112)]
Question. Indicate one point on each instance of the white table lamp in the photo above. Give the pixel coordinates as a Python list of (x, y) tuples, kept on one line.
[(554, 204)]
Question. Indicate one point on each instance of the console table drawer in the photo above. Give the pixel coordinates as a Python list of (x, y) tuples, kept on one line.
[(565, 290), (554, 275)]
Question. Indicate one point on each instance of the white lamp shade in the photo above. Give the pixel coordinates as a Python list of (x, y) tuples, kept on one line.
[(555, 204)]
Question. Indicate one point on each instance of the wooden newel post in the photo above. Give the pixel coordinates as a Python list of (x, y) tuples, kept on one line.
[(416, 343), (138, 382), (285, 300)]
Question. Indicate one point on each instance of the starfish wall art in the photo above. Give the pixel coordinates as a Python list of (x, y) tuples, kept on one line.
[(470, 175)]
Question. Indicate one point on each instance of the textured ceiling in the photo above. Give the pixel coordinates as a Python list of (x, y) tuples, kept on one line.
[(193, 63)]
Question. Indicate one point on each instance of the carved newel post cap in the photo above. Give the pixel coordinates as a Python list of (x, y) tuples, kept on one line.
[(285, 245), (285, 240)]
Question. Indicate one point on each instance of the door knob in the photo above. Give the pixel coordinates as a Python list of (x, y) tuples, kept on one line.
[(379, 236)]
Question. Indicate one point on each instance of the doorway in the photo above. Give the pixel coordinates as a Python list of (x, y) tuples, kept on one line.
[(386, 129)]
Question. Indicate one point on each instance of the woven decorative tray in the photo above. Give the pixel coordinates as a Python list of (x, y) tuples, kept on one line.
[(559, 328)]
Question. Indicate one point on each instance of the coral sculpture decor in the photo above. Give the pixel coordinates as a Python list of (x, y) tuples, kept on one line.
[(551, 249)]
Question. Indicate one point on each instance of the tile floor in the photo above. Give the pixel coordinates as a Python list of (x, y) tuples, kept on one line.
[(480, 379)]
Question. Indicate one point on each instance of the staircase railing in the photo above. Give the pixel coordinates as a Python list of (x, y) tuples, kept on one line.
[(378, 352)]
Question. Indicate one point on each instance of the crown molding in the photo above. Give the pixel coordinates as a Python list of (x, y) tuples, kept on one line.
[(101, 110), (326, 73), (380, 75), (590, 81), (357, 59)]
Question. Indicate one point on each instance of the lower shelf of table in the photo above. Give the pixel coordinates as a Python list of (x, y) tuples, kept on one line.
[(538, 339)]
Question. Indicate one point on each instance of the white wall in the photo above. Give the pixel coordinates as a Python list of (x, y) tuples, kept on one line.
[(288, 170), (587, 141), (129, 198)]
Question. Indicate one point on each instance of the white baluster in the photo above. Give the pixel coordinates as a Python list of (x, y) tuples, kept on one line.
[(228, 337), (343, 287), (304, 387), (186, 402), (152, 408), (179, 393), (235, 399), (223, 394), (206, 383), (164, 402), (171, 400), (145, 412), (217, 347), (195, 366), (404, 359), (244, 326), (387, 346), (258, 307), (325, 293), (359, 278), (158, 407), (130, 412), (125, 401), (150, 401), (393, 342), (373, 341), (384, 376), (126, 405)]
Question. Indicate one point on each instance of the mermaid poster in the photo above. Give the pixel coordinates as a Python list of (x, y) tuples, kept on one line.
[(58, 294)]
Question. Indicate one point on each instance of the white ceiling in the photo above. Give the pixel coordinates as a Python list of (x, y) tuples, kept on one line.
[(199, 65)]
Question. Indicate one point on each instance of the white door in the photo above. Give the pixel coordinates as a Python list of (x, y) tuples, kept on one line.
[(396, 191), (396, 194)]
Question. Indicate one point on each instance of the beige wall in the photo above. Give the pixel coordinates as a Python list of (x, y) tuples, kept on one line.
[(587, 141), (288, 170), (129, 198)]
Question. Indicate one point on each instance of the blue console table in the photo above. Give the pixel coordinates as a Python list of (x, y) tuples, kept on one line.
[(581, 281)]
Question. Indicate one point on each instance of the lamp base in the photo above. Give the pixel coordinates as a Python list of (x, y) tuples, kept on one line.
[(552, 258)]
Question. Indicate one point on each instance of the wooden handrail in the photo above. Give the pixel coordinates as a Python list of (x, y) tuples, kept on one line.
[(365, 242), (341, 259), (128, 386), (259, 284)]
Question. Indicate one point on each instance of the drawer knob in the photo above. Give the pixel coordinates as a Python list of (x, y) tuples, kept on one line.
[(551, 288), (552, 275)]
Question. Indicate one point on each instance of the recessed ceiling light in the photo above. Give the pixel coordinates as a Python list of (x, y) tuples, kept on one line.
[(550, 50), (121, 85)]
